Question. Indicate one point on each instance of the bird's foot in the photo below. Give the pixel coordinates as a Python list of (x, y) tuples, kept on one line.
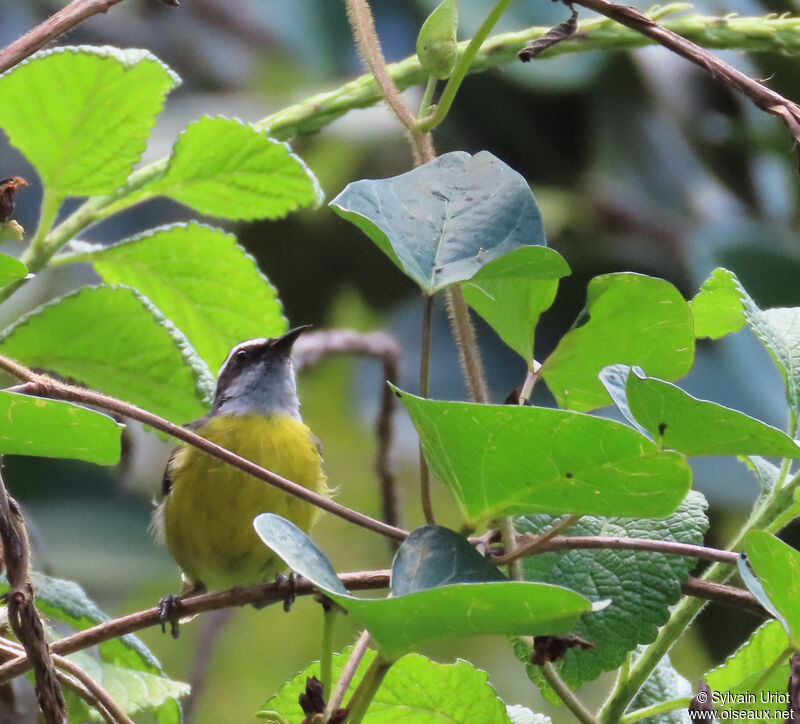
[(169, 612), (291, 589)]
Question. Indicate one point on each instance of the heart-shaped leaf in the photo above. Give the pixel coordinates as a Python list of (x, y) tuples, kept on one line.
[(443, 221)]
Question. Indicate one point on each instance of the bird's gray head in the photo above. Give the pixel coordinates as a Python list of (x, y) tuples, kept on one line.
[(258, 376)]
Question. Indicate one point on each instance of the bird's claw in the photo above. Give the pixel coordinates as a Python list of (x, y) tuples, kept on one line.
[(169, 611), (291, 589)]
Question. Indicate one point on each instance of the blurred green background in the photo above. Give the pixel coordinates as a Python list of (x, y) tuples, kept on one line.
[(639, 162)]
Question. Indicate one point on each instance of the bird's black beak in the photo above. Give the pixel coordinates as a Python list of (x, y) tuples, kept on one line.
[(286, 342)]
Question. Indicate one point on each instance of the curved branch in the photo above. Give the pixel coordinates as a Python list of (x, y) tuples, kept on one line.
[(44, 386)]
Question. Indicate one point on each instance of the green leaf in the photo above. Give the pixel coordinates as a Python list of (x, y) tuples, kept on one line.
[(678, 421), (634, 320), (717, 307), (442, 222), (133, 691), (56, 429), (67, 602), (505, 459), (11, 270), (778, 329), (739, 673), (200, 279), (225, 168), (82, 115), (437, 43), (416, 690), (434, 556), (511, 292), (641, 585), (664, 684), (113, 340), (777, 566), (401, 624)]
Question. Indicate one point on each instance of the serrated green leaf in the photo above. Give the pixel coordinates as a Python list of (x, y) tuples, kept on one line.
[(401, 624), (678, 421), (505, 459), (522, 715), (82, 115), (733, 681), (664, 684), (777, 566), (113, 340), (228, 169), (633, 320), (56, 429), (67, 602), (416, 690), (717, 307), (133, 691), (641, 585), (435, 556), (437, 42), (201, 280), (511, 292), (443, 221), (11, 270)]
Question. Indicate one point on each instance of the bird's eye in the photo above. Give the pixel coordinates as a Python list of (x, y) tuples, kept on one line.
[(242, 355)]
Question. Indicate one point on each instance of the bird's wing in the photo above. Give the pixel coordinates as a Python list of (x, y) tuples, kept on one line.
[(166, 481)]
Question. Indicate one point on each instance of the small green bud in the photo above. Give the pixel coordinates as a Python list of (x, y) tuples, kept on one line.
[(437, 44)]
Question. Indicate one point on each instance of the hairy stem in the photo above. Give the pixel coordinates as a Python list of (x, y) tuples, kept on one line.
[(348, 672), (424, 379), (572, 702), (367, 688)]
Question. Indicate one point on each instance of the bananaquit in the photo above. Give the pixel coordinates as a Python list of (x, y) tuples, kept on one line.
[(206, 517)]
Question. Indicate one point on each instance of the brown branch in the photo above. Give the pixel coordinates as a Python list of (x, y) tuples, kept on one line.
[(348, 672), (261, 594), (763, 97), (537, 543), (369, 47), (56, 25), (591, 542), (44, 386), (728, 595), (313, 346), (22, 614)]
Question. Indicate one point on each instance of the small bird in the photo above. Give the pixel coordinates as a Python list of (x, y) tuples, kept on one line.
[(206, 517)]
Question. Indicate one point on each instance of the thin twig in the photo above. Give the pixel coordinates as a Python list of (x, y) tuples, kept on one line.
[(536, 543), (764, 98), (22, 614), (265, 593), (348, 672), (208, 637), (673, 548), (56, 25), (313, 346), (261, 595), (88, 689), (572, 702), (44, 386)]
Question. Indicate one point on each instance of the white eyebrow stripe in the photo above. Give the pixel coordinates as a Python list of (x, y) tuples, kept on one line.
[(247, 344)]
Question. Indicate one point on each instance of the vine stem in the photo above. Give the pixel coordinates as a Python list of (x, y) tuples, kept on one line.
[(44, 386), (330, 611), (367, 688), (348, 672), (424, 379), (462, 67), (572, 702), (663, 707)]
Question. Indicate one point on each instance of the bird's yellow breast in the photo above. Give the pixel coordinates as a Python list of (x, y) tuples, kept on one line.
[(208, 514)]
